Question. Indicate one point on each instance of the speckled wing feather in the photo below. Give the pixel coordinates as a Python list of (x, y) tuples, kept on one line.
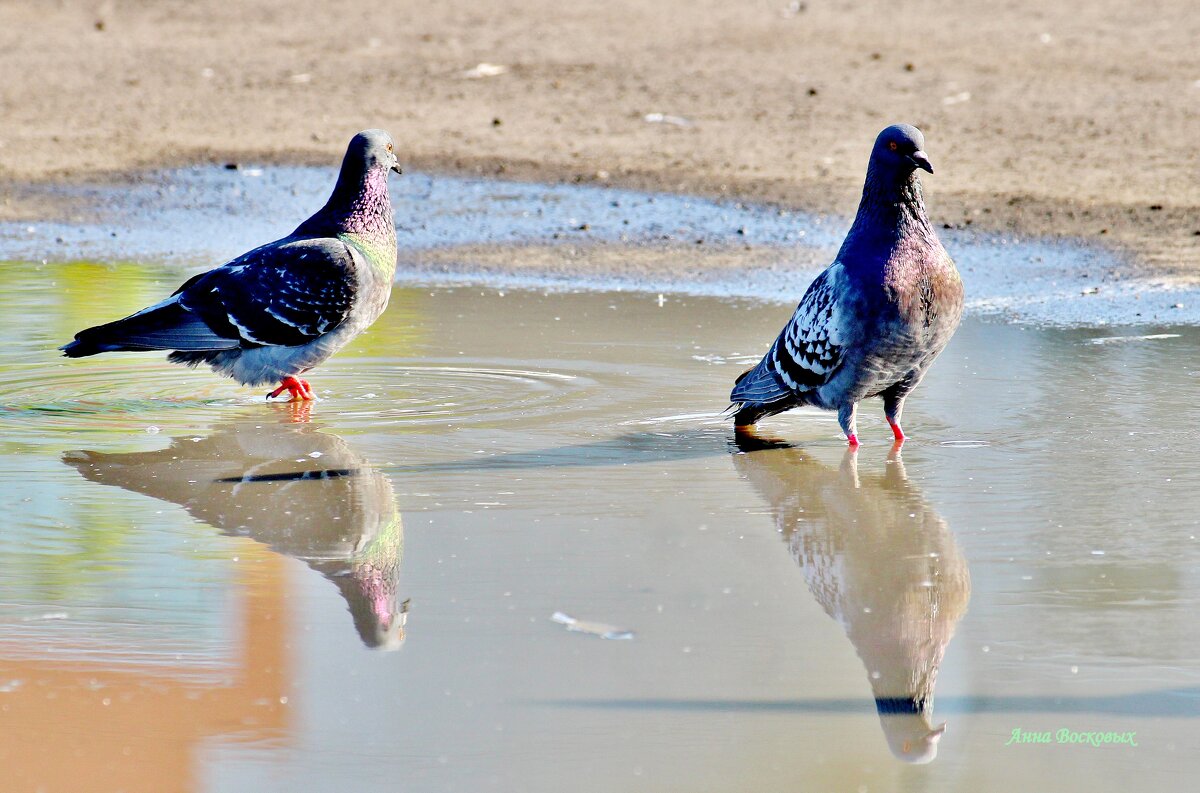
[(807, 353), (282, 294)]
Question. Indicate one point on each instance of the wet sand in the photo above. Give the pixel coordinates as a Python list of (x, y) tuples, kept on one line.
[(1075, 119), (505, 234)]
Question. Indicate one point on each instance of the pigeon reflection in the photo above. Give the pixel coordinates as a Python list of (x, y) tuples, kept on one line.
[(882, 563), (302, 492)]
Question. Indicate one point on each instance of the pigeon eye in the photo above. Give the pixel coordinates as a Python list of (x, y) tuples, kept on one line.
[(389, 147), (893, 145)]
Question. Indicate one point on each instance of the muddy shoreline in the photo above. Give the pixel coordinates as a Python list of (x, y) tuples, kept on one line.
[(501, 233), (1076, 120), (1154, 239)]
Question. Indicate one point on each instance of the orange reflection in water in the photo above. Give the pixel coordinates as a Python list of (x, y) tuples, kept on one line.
[(79, 726)]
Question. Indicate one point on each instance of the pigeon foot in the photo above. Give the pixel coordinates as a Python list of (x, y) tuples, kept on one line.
[(896, 431), (300, 390), (852, 441)]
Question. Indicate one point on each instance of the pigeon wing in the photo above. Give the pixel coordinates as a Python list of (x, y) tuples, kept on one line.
[(282, 294), (809, 350)]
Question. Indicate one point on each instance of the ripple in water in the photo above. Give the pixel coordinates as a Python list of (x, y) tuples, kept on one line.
[(436, 393), (139, 395), (52, 397)]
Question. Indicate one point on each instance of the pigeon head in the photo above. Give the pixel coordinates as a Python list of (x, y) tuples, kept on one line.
[(360, 202), (899, 148), (372, 148)]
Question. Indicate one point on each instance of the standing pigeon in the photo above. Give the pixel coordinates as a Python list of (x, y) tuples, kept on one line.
[(874, 320), (274, 313)]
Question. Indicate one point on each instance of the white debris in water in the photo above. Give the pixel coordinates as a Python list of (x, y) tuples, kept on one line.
[(592, 628), (314, 455), (667, 118), (961, 96), (721, 360), (1097, 553), (684, 418), (1123, 339), (50, 615), (485, 70)]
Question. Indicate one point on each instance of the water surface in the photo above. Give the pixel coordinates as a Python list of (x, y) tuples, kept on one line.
[(205, 592), (612, 239)]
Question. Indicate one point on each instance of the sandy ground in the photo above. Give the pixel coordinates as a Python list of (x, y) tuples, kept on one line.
[(1074, 118)]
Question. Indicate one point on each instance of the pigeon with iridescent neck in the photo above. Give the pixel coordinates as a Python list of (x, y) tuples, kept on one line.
[(274, 313), (874, 320)]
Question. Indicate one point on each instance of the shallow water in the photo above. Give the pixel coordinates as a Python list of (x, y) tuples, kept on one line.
[(198, 216), (204, 592)]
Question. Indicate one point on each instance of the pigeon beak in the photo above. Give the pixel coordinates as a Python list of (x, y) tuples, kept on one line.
[(396, 166), (921, 160)]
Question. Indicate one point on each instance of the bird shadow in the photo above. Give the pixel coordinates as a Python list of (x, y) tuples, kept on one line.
[(1182, 702), (634, 448)]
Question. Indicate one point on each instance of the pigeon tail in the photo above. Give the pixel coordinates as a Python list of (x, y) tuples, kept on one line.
[(759, 392), (166, 326), (194, 358)]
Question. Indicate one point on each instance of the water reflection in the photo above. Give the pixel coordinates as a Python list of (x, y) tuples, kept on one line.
[(882, 563), (281, 481)]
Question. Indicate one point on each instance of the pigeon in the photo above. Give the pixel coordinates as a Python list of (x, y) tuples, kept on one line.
[(277, 311), (874, 320)]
